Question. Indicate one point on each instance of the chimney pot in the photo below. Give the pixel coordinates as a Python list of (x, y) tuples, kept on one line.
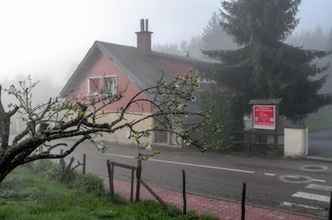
[(144, 36), (147, 25), (142, 25)]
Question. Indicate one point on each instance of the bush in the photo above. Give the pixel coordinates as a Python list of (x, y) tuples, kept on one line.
[(223, 122), (43, 167), (85, 183), (88, 183), (66, 177), (52, 170)]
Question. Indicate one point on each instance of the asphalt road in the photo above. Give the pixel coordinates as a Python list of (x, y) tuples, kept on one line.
[(274, 183), (320, 143)]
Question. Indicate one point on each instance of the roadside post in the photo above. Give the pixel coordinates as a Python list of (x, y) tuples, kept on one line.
[(330, 209), (84, 164), (138, 178), (110, 170), (184, 191), (243, 201)]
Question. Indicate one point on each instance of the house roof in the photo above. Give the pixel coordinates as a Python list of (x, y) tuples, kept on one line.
[(143, 68)]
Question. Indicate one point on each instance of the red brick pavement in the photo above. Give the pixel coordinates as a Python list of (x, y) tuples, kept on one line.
[(224, 210)]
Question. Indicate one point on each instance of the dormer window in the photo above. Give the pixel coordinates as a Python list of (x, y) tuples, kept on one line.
[(103, 85)]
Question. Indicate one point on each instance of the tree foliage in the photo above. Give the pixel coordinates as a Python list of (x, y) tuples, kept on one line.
[(259, 21), (265, 66), (221, 124)]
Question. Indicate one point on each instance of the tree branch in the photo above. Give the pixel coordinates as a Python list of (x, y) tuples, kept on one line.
[(55, 156), (2, 110), (20, 136), (13, 111)]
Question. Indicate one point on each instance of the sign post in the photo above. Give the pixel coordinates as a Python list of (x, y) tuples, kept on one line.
[(265, 119)]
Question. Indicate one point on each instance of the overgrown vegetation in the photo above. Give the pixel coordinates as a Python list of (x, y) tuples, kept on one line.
[(32, 193), (222, 123)]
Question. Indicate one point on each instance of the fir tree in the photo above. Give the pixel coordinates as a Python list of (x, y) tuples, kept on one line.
[(330, 40), (214, 35), (265, 66)]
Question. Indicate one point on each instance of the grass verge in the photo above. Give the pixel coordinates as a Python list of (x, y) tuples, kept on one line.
[(27, 195)]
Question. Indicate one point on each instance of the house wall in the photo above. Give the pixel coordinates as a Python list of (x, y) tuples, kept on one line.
[(102, 67), (121, 136)]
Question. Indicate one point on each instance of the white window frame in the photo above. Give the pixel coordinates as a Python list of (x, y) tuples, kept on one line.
[(102, 77)]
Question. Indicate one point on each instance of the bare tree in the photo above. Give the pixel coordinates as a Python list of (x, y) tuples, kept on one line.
[(60, 119)]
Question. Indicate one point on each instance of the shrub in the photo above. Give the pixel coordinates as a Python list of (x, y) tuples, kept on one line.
[(88, 183), (223, 121), (63, 176), (43, 167), (85, 183)]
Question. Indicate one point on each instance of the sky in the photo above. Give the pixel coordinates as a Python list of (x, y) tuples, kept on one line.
[(47, 39)]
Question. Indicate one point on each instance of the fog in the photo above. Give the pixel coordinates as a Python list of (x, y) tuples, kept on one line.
[(47, 39)]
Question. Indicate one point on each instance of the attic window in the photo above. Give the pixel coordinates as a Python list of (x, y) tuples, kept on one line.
[(103, 85)]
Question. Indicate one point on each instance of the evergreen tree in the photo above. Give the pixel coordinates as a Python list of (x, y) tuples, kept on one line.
[(330, 41), (214, 36), (265, 66)]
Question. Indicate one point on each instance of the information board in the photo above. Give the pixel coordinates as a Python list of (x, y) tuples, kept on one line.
[(264, 117)]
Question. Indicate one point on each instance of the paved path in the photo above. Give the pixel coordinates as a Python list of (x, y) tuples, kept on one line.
[(222, 209), (280, 184)]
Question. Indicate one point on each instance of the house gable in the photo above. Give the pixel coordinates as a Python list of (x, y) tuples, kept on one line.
[(99, 66), (135, 69)]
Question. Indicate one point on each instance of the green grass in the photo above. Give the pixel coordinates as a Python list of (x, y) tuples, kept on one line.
[(320, 120), (26, 195)]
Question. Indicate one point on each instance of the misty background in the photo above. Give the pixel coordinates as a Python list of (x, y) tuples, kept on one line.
[(47, 39)]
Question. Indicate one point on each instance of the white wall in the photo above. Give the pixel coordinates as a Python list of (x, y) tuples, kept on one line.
[(296, 142)]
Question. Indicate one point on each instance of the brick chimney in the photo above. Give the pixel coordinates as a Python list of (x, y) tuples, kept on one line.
[(144, 36)]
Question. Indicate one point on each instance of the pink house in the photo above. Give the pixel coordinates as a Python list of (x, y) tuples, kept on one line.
[(129, 69)]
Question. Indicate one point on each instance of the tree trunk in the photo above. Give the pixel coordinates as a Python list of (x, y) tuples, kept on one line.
[(4, 171), (4, 131)]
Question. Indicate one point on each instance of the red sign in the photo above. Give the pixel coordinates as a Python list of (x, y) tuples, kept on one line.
[(264, 117)]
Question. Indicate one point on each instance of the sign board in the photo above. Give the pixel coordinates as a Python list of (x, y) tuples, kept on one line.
[(264, 117)]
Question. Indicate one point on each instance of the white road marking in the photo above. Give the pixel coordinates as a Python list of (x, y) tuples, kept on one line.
[(319, 187), (189, 164), (291, 204), (295, 179), (319, 180), (311, 196), (270, 174), (203, 166)]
